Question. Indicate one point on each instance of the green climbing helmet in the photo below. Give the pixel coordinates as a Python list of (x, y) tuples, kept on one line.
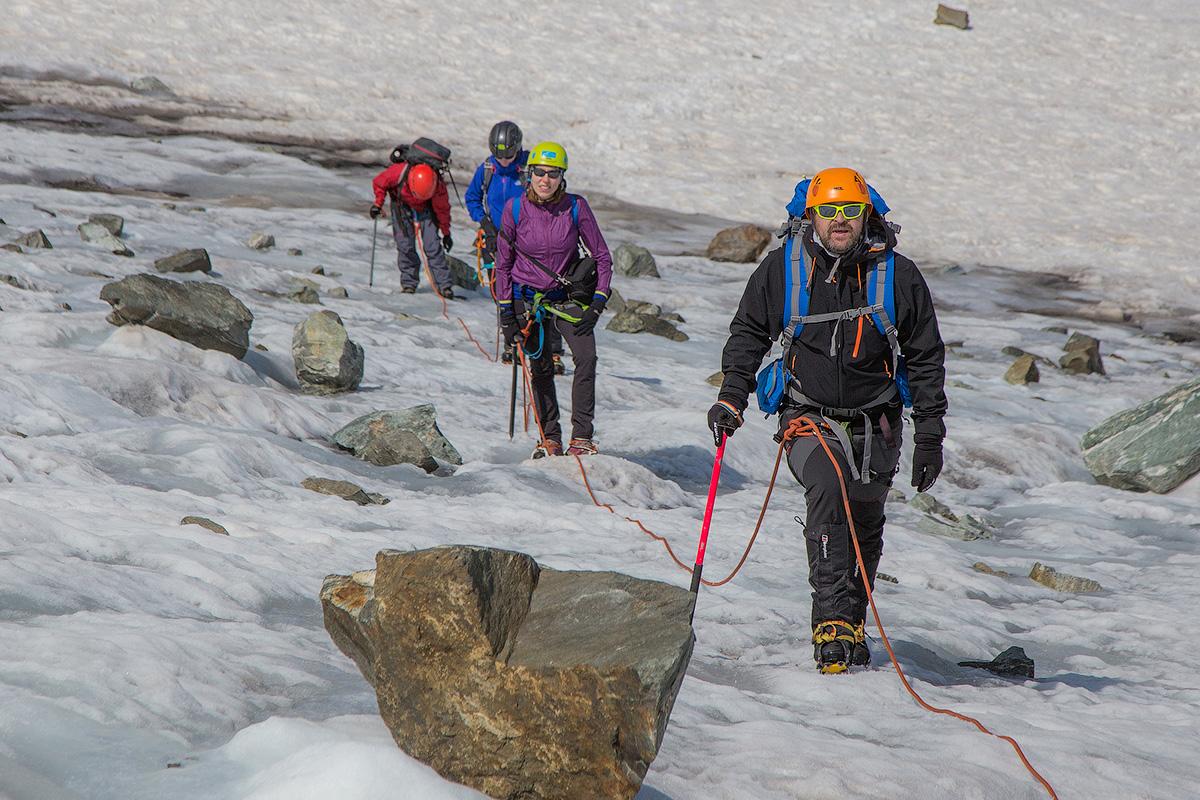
[(548, 154)]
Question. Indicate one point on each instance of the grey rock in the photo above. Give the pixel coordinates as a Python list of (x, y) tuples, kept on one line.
[(894, 495), (327, 362), (941, 521), (883, 576), (953, 17), (345, 490), (634, 261), (1082, 356), (113, 223), (305, 292), (295, 251), (35, 240), (95, 233), (980, 566), (261, 241), (462, 274), (386, 437), (195, 260), (1055, 329), (12, 248), (17, 282), (642, 307), (148, 84), (923, 501), (317, 270), (1012, 663), (616, 302), (740, 245), (716, 379), (1023, 371), (1154, 447), (1017, 352), (203, 314), (339, 292), (527, 682), (204, 522), (632, 322), (1061, 581), (671, 316)]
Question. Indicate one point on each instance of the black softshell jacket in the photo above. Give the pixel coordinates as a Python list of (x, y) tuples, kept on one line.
[(859, 372)]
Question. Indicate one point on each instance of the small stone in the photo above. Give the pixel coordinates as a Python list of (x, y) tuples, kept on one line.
[(65, 306), (196, 260), (632, 322), (1055, 329), (174, 765), (922, 501), (1023, 371), (148, 84), (111, 222), (894, 495), (980, 566), (642, 307), (262, 347), (953, 17), (204, 522), (339, 292), (883, 576), (1012, 663), (741, 244), (17, 282), (35, 240), (716, 379), (261, 241), (1082, 355), (345, 490), (671, 316), (295, 251), (317, 270), (12, 248), (306, 292), (634, 261), (1061, 581), (1017, 352)]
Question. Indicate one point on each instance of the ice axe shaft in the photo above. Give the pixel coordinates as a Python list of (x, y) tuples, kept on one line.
[(512, 397), (374, 236), (698, 570)]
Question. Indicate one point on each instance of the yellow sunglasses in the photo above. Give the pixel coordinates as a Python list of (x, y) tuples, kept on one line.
[(849, 210)]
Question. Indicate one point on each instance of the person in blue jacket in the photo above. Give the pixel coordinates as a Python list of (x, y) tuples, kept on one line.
[(500, 178)]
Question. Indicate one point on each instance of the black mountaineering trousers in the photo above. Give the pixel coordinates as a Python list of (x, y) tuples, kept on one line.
[(838, 592)]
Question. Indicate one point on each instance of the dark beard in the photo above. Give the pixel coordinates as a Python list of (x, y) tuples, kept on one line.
[(853, 243)]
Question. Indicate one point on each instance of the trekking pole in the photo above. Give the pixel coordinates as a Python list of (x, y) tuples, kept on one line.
[(698, 570), (512, 395), (374, 236)]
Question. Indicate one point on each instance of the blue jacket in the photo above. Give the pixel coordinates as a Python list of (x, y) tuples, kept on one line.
[(505, 185)]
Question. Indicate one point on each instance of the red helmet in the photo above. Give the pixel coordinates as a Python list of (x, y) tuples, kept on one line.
[(422, 181)]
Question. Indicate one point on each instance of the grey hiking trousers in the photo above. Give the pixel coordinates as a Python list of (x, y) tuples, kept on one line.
[(407, 258)]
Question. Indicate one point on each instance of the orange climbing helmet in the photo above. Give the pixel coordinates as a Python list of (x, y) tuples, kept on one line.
[(422, 181), (837, 185)]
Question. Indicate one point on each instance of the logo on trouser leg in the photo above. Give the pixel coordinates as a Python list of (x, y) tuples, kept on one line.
[(825, 546)]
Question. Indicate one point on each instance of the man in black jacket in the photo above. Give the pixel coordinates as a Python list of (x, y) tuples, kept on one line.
[(841, 370)]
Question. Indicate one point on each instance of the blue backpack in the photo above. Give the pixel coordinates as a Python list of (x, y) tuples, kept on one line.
[(775, 380)]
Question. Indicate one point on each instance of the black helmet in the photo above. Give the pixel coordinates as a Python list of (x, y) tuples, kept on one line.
[(505, 140), (399, 153)]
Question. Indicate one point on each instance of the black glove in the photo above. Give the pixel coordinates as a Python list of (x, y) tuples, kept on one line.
[(489, 227), (587, 324), (926, 464), (447, 242), (510, 328), (376, 211), (723, 418)]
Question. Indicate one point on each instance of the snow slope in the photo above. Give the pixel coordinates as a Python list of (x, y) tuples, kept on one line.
[(129, 643), (1053, 136)]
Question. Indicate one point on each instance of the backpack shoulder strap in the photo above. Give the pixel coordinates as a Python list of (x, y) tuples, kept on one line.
[(574, 210), (795, 296), (489, 169), (516, 205), (884, 313)]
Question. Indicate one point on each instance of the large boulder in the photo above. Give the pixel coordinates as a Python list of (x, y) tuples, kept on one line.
[(741, 244), (195, 260), (411, 436), (327, 362), (634, 262), (462, 274), (203, 314), (520, 681), (1151, 448)]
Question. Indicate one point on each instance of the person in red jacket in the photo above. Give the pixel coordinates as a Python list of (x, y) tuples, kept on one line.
[(419, 200)]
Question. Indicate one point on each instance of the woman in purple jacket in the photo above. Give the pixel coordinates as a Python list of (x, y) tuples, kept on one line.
[(540, 236)]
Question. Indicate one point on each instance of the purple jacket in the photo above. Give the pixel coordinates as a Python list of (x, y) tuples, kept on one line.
[(548, 234)]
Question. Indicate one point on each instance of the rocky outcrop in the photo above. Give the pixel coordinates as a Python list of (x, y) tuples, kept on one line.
[(203, 314), (1151, 448), (195, 260), (633, 261), (520, 681), (1061, 581), (1082, 355), (327, 362), (386, 438), (345, 490), (741, 244)]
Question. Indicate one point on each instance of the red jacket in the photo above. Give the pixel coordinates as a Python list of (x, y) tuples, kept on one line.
[(385, 184)]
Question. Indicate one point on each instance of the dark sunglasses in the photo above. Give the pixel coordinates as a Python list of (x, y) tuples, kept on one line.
[(539, 172), (849, 210)]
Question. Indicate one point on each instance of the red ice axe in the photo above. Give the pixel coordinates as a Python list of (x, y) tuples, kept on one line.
[(708, 512)]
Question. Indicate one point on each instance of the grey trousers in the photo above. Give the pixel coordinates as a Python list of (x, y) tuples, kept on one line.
[(583, 382), (833, 573), (407, 258)]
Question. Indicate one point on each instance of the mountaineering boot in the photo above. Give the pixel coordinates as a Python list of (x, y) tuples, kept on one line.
[(559, 368), (549, 447), (860, 654), (448, 293), (506, 357), (408, 290), (582, 447), (834, 644)]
